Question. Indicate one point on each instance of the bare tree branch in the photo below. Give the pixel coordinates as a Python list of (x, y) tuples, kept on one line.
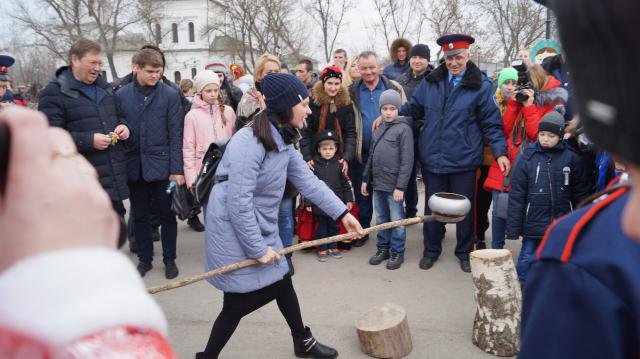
[(256, 27), (396, 18), (519, 23), (64, 21), (329, 16)]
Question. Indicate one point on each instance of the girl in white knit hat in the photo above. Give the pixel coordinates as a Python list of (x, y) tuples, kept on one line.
[(208, 121)]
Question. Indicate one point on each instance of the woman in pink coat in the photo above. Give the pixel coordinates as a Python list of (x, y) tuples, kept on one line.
[(208, 121)]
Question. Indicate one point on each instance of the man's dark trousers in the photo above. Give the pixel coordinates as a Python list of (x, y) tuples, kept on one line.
[(142, 193), (463, 183), (365, 203)]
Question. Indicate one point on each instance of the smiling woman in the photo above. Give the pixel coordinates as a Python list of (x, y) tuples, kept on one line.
[(243, 210), (331, 109)]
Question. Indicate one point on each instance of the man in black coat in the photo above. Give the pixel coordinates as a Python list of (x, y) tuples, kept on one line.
[(154, 155), (79, 100), (419, 67), (192, 220)]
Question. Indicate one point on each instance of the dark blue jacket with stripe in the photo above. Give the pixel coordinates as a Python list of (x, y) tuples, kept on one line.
[(67, 105), (546, 184), (455, 123), (582, 295)]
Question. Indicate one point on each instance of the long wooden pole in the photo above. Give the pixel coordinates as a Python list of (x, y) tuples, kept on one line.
[(341, 237)]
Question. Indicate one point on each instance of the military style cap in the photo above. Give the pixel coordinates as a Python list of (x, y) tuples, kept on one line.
[(454, 44), (5, 62)]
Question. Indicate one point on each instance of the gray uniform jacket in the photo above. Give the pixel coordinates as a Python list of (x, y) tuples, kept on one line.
[(391, 160)]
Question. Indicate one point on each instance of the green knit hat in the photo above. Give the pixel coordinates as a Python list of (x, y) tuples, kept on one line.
[(508, 73)]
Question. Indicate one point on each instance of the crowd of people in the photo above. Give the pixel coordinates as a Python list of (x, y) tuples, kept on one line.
[(340, 144)]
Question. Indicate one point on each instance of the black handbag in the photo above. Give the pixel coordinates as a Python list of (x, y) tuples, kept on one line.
[(181, 203), (502, 202), (206, 178)]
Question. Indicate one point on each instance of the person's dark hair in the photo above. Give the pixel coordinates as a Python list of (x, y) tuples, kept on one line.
[(186, 85), (83, 46), (307, 64), (343, 51), (156, 48), (262, 123), (147, 57)]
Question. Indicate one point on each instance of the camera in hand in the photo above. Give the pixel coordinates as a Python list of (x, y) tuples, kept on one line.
[(524, 81)]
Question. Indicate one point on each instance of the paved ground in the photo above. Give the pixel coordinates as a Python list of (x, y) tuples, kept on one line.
[(439, 302)]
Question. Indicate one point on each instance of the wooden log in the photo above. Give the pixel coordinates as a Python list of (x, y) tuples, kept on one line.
[(496, 328), (383, 332)]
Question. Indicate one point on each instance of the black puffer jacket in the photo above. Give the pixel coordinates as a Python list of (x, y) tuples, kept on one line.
[(410, 82), (67, 106), (546, 184), (343, 114), (330, 172)]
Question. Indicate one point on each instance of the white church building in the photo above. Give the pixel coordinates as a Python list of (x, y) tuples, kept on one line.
[(188, 48)]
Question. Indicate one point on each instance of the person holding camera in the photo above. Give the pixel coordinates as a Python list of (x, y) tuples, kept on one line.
[(536, 94)]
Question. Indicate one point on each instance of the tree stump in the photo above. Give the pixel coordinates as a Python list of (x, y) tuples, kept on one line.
[(496, 328), (383, 332)]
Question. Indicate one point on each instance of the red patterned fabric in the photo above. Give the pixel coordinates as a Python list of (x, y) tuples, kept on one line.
[(120, 342)]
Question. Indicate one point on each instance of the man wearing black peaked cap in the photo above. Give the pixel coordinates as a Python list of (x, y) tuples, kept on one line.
[(455, 104)]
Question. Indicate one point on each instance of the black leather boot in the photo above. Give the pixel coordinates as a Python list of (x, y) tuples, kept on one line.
[(306, 346)]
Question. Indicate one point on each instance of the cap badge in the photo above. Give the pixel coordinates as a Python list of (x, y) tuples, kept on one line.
[(451, 45)]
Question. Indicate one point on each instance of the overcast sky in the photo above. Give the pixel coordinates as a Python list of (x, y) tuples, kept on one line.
[(358, 34)]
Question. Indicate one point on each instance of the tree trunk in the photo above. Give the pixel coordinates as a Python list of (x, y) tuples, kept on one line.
[(383, 332), (496, 328)]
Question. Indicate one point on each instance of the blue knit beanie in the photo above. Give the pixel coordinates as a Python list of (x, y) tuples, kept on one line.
[(282, 91)]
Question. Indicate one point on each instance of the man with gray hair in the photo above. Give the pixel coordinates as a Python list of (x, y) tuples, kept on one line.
[(365, 94), (455, 104)]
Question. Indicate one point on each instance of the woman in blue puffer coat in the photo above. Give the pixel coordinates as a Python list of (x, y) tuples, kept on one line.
[(242, 215), (549, 180)]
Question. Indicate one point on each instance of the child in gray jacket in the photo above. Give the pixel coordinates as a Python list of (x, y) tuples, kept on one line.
[(388, 170)]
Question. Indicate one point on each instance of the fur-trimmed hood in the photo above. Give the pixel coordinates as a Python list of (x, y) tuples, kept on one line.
[(472, 77), (397, 43), (552, 93), (320, 97)]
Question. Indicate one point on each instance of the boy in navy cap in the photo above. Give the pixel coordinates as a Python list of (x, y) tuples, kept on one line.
[(548, 182)]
